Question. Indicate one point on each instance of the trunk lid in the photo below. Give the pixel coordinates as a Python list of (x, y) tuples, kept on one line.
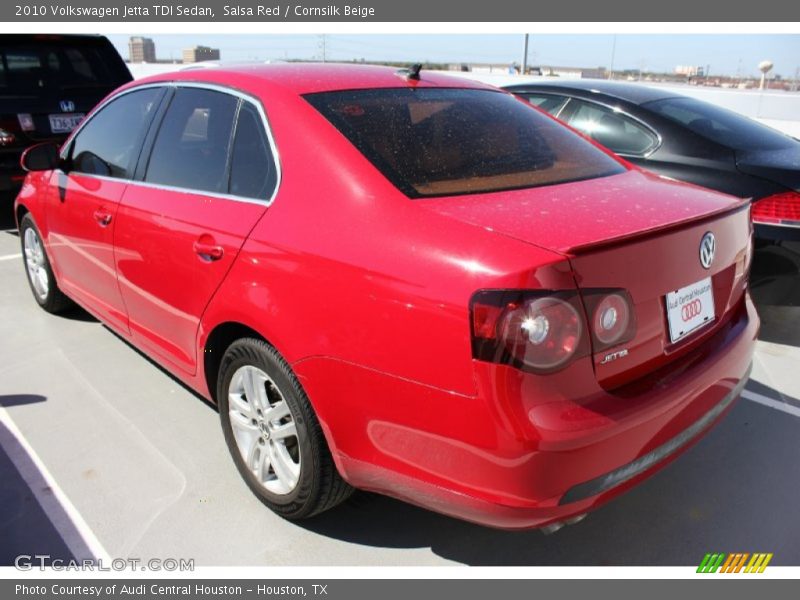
[(781, 166), (635, 232), (572, 216)]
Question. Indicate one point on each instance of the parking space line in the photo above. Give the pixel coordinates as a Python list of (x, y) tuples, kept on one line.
[(11, 257), (63, 515), (771, 403)]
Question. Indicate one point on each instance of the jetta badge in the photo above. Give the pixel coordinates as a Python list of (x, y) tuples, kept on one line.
[(708, 245), (66, 105)]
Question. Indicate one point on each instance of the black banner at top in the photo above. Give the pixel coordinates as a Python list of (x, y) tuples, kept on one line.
[(460, 11)]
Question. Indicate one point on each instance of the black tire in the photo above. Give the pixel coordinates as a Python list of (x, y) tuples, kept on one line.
[(319, 486), (54, 301)]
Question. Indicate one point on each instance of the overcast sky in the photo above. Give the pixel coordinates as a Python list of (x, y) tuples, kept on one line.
[(725, 54)]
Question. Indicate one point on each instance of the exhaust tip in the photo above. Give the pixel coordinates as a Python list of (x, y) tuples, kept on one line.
[(553, 527)]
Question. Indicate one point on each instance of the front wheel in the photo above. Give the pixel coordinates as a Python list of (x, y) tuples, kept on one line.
[(273, 434), (37, 268)]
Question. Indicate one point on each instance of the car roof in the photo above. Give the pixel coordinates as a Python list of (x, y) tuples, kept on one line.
[(307, 78), (635, 93)]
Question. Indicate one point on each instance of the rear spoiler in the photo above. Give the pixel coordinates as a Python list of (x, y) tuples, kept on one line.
[(742, 204)]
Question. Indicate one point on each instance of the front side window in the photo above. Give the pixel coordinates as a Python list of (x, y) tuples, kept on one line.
[(108, 144), (191, 148), (442, 141), (610, 128)]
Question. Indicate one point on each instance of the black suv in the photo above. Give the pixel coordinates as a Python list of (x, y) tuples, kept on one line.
[(47, 84)]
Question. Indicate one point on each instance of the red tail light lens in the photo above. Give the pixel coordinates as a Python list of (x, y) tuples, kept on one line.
[(780, 209), (534, 331), (612, 317), (543, 331)]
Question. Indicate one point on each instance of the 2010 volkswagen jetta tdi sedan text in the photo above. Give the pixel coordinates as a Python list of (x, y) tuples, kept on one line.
[(399, 282)]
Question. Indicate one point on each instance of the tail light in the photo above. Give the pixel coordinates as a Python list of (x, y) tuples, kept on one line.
[(8, 130), (544, 331), (779, 209), (612, 317)]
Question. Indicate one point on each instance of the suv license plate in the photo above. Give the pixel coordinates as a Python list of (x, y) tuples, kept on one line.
[(65, 123)]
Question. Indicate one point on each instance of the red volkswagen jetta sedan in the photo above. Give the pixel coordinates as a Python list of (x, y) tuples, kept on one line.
[(399, 282)]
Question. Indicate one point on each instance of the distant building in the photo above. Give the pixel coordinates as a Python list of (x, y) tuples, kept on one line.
[(570, 72), (199, 54), (689, 71), (141, 50), (505, 68)]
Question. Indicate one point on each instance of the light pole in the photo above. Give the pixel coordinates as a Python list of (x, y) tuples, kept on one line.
[(524, 56)]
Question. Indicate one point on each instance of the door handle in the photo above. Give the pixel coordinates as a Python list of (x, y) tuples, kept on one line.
[(208, 251), (102, 217)]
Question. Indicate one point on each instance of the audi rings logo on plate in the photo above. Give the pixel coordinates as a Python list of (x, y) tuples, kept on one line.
[(691, 309), (708, 246)]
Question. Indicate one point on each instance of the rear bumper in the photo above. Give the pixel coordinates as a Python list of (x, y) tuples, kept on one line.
[(522, 454)]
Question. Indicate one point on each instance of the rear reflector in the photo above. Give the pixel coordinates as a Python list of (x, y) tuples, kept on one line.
[(780, 209)]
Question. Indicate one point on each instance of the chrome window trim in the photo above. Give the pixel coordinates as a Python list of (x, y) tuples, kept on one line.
[(616, 109), (244, 96), (624, 113)]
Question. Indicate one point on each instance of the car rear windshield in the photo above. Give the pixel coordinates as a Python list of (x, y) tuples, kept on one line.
[(29, 68), (720, 125), (444, 142)]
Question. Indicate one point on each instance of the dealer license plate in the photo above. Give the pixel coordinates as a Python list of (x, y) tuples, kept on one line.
[(690, 308)]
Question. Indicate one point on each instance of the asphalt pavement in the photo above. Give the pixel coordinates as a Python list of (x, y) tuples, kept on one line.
[(103, 453)]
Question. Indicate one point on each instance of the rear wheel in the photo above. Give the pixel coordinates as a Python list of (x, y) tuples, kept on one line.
[(37, 268), (273, 434)]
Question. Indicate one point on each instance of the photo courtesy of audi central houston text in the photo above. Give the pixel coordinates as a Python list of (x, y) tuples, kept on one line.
[(394, 280)]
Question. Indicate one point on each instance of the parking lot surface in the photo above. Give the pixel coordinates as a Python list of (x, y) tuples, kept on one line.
[(103, 453)]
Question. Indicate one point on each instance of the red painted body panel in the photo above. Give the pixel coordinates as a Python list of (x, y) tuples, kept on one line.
[(366, 294), (166, 285), (81, 222)]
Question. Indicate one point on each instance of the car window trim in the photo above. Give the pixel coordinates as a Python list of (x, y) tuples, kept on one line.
[(624, 113), (565, 100), (69, 146), (145, 156)]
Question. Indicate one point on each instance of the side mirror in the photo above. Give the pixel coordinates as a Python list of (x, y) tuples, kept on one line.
[(41, 157)]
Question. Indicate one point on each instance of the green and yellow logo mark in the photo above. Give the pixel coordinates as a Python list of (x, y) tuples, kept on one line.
[(734, 563)]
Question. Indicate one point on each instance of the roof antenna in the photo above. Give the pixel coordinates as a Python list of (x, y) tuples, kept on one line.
[(412, 72)]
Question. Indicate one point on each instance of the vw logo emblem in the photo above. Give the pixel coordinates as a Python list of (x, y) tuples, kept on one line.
[(66, 105), (708, 246)]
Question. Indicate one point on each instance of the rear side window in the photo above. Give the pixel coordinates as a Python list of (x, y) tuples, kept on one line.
[(28, 68), (109, 143), (191, 148), (442, 142), (610, 128), (719, 125), (253, 170), (547, 102)]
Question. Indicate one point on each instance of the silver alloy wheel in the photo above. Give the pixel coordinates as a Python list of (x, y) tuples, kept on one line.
[(35, 262), (264, 429)]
